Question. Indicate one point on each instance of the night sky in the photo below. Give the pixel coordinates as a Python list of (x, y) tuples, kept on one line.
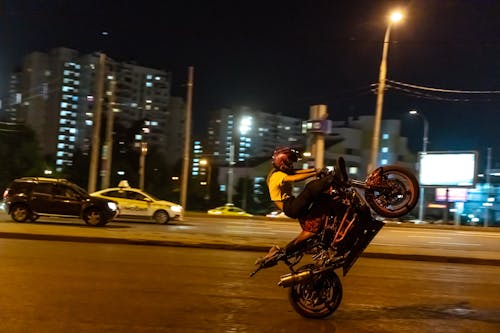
[(283, 56)]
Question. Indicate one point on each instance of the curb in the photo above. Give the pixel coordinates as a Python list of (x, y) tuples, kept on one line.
[(241, 247)]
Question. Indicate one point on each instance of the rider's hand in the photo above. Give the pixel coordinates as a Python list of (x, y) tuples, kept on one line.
[(320, 173)]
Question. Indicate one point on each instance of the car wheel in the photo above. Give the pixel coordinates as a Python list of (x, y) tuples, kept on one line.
[(93, 216), (161, 217), (20, 213)]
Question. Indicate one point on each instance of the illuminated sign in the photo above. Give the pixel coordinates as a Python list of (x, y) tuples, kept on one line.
[(448, 169), (455, 194)]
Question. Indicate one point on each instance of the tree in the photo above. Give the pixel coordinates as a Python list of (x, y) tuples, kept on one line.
[(19, 153)]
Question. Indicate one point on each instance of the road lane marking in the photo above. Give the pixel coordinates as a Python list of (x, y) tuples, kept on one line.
[(459, 244), (389, 244), (417, 236)]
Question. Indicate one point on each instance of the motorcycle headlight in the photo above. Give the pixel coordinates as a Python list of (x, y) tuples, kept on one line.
[(112, 206)]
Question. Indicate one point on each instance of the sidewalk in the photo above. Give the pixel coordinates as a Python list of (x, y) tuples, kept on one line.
[(134, 235)]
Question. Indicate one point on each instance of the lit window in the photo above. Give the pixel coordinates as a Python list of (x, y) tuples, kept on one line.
[(149, 84), (385, 136), (385, 149), (383, 161)]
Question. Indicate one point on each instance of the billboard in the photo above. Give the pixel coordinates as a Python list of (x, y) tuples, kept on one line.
[(448, 169)]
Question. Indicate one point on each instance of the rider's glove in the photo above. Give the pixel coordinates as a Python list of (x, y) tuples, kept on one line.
[(320, 173)]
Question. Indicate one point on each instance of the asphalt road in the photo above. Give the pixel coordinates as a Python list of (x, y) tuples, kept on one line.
[(51, 286), (428, 242)]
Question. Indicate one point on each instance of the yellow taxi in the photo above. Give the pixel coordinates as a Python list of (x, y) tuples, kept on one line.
[(228, 209), (135, 204)]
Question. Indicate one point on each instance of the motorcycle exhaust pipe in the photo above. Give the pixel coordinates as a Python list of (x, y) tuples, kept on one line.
[(289, 279)]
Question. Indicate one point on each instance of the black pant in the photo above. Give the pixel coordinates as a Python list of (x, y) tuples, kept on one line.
[(296, 207)]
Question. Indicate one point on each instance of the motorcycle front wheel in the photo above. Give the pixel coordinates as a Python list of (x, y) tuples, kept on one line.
[(394, 191), (317, 296)]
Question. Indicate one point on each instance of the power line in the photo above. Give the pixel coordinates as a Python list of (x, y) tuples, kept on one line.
[(441, 90)]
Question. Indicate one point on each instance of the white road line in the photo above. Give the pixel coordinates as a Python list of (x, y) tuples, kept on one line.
[(427, 236), (459, 244), (389, 244)]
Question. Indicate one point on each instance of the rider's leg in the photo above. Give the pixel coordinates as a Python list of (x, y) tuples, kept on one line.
[(295, 207), (298, 242)]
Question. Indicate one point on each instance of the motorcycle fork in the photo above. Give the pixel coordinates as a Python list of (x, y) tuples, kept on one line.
[(344, 226)]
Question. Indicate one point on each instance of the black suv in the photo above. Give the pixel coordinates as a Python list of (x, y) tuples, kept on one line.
[(28, 198)]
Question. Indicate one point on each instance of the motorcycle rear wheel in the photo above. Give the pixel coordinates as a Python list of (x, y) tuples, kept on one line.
[(318, 296), (398, 194)]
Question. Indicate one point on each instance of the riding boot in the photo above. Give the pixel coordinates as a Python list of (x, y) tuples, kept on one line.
[(272, 257), (294, 247)]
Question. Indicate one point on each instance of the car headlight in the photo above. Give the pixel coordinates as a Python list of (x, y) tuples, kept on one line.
[(176, 208), (112, 205)]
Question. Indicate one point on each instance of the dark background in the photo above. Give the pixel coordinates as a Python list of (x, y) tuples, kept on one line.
[(283, 56)]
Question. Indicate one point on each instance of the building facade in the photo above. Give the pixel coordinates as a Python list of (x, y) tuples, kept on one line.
[(239, 134), (55, 94)]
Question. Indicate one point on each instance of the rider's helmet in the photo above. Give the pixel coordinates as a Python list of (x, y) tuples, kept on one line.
[(283, 159)]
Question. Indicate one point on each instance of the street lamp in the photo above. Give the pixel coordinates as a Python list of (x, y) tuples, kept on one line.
[(204, 162), (425, 141), (142, 164), (395, 17)]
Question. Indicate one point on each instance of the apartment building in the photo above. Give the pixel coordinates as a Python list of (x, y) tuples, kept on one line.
[(55, 94), (241, 133)]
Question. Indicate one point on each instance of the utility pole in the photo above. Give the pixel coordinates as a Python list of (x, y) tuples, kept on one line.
[(318, 114), (96, 124), (488, 182), (107, 153), (142, 163), (187, 139), (230, 174)]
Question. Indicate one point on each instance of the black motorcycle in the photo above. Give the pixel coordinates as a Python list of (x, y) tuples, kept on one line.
[(348, 227)]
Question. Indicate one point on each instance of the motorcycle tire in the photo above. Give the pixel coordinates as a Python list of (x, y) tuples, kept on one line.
[(317, 296), (397, 192)]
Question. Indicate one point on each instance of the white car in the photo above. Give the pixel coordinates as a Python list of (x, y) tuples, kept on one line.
[(134, 203)]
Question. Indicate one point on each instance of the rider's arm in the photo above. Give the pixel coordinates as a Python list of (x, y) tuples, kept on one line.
[(311, 170), (298, 176)]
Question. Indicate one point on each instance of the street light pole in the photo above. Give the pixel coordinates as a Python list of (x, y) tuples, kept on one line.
[(96, 123), (207, 165), (425, 141), (142, 164), (187, 139), (395, 17)]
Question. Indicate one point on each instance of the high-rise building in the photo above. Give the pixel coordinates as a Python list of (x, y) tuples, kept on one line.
[(12, 103), (55, 94), (239, 134)]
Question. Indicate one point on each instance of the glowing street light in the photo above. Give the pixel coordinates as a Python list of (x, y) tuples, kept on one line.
[(394, 17), (204, 162)]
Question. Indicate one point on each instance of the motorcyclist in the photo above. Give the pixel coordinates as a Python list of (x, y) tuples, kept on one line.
[(280, 183)]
